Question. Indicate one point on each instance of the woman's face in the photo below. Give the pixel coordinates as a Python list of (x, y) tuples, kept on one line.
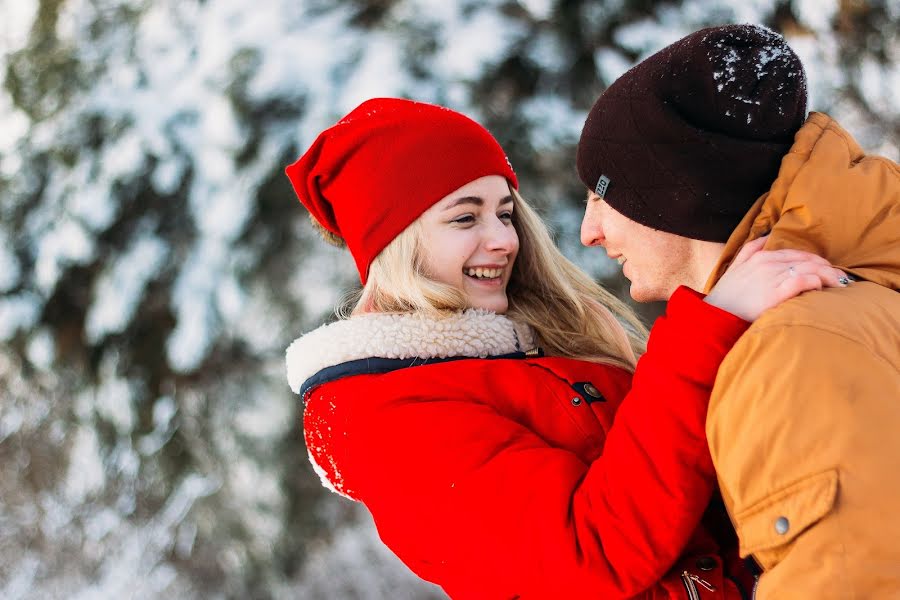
[(470, 242)]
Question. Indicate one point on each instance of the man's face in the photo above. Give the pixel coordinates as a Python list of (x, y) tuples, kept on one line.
[(655, 262)]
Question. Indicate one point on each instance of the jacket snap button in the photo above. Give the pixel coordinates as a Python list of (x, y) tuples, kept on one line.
[(782, 525), (576, 401), (706, 563), (592, 391)]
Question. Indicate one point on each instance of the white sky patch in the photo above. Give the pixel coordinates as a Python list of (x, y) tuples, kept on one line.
[(121, 286)]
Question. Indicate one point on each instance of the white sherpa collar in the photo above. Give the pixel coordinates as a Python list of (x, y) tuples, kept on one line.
[(473, 332)]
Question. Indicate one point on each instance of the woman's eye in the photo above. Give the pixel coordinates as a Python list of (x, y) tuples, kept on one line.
[(464, 220), (506, 216)]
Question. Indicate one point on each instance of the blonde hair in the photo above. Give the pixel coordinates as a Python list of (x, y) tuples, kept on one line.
[(572, 315)]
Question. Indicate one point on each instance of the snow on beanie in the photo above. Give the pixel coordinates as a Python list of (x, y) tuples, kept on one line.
[(368, 177), (687, 140)]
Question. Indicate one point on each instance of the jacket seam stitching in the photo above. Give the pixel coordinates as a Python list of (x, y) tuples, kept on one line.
[(835, 332)]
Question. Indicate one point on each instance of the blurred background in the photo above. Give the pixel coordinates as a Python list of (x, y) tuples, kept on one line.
[(154, 262)]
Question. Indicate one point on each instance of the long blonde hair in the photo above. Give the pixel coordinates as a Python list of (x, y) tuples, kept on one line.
[(571, 314)]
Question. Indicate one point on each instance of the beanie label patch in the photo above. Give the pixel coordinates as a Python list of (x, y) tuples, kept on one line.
[(602, 186)]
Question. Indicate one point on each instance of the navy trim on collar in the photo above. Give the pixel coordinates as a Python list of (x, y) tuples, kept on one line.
[(379, 366)]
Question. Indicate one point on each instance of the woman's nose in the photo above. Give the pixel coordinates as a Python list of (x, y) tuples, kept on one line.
[(503, 237)]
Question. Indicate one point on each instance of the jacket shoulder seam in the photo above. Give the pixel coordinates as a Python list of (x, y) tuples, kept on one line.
[(828, 330)]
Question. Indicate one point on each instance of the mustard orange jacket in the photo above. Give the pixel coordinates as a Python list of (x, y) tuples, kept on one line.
[(804, 420)]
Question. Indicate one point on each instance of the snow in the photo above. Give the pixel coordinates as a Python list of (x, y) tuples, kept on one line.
[(86, 473), (18, 312), (611, 64), (817, 14), (561, 123), (10, 271), (41, 349), (198, 104), (16, 19), (65, 244), (121, 286)]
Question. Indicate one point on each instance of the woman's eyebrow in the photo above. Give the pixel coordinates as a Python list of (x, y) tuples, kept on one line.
[(465, 200), (476, 200)]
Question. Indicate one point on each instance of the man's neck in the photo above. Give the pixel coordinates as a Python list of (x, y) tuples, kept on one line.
[(704, 257)]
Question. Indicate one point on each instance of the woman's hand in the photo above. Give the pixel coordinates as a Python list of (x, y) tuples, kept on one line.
[(760, 279)]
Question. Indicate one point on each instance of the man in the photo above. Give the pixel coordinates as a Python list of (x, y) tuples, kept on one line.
[(694, 152)]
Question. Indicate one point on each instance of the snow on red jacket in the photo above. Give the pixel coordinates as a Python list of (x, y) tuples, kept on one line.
[(497, 473)]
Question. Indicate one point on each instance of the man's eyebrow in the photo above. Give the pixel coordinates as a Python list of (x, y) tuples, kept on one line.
[(477, 201)]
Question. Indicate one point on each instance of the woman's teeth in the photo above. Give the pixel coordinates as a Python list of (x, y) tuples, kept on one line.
[(481, 273)]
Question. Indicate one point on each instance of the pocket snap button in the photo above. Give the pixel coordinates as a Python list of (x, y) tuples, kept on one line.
[(592, 391), (782, 525), (576, 401), (706, 563)]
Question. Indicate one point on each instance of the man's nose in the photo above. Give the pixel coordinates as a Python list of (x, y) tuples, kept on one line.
[(591, 227)]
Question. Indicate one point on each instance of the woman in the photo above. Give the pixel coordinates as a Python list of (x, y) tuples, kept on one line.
[(469, 399)]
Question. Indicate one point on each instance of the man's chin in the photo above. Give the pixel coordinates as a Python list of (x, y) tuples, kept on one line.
[(643, 294)]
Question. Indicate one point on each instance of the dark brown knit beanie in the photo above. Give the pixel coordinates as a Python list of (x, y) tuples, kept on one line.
[(688, 139)]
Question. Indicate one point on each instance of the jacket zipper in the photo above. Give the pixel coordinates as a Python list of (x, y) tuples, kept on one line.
[(755, 585), (690, 585)]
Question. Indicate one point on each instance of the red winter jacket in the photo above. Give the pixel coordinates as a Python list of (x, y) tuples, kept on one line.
[(519, 476)]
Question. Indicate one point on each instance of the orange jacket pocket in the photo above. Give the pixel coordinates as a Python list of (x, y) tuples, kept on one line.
[(767, 528)]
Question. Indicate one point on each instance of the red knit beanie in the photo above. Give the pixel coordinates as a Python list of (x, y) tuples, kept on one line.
[(368, 177), (688, 139)]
